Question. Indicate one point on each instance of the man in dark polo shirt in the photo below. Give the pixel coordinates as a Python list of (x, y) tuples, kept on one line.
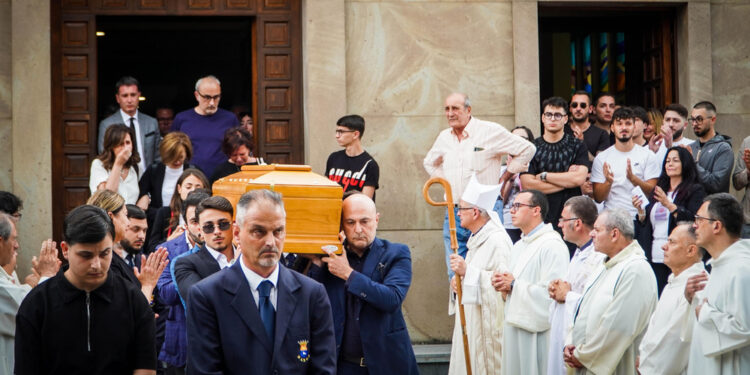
[(85, 320), (366, 286)]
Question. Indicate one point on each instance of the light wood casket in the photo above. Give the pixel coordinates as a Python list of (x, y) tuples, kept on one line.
[(312, 202)]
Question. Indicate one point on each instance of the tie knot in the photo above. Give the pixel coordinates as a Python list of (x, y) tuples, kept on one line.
[(264, 289)]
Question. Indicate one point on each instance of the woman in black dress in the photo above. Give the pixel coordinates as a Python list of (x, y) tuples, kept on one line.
[(238, 146)]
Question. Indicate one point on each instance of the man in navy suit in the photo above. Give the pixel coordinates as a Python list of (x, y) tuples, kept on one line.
[(257, 317), (215, 219), (366, 286), (127, 92)]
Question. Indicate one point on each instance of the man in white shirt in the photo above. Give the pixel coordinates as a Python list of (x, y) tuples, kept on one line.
[(539, 257), (472, 146), (622, 167), (665, 348), (146, 128), (617, 303), (721, 333), (577, 221), (672, 131)]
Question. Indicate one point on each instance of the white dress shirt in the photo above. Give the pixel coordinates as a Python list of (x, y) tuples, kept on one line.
[(254, 280), (221, 258)]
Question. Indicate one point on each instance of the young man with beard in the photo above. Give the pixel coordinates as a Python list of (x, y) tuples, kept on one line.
[(174, 351), (672, 131), (560, 164), (712, 151), (215, 219), (595, 139), (620, 168)]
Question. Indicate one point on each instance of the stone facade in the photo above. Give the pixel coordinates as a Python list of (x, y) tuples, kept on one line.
[(392, 62)]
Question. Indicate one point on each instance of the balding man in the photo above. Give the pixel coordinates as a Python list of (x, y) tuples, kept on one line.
[(615, 307), (664, 349), (205, 124), (366, 286), (472, 146)]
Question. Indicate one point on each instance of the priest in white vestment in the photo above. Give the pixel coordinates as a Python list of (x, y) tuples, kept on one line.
[(488, 251), (576, 221), (616, 305), (664, 349), (539, 257), (721, 319)]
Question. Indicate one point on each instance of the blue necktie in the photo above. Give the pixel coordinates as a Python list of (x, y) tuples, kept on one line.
[(267, 313), (129, 259)]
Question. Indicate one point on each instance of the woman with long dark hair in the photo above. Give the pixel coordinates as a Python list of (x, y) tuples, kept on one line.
[(169, 222), (116, 168), (677, 196)]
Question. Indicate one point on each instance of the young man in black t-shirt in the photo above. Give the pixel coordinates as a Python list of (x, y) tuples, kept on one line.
[(560, 164), (352, 168)]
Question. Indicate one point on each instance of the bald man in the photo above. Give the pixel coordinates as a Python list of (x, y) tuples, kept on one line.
[(205, 124), (366, 286)]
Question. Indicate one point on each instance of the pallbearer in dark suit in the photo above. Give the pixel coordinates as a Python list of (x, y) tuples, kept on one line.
[(231, 313), (367, 285)]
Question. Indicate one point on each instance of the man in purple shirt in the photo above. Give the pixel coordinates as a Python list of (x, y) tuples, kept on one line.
[(205, 124)]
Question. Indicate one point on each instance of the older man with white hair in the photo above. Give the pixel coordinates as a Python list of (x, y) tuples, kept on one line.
[(488, 251), (615, 307)]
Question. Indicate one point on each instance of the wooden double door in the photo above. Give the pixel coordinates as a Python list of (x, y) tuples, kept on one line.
[(276, 82)]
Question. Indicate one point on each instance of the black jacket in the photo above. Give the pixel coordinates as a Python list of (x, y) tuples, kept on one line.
[(190, 269)]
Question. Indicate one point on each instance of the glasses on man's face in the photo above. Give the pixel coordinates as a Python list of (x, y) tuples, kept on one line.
[(562, 220), (556, 116), (209, 227), (517, 205), (699, 218), (697, 119), (209, 98), (464, 208), (576, 104), (339, 131)]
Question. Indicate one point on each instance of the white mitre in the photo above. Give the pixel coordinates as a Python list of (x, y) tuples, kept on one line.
[(482, 196)]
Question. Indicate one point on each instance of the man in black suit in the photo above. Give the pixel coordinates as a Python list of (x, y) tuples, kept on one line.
[(256, 316), (127, 92), (215, 219)]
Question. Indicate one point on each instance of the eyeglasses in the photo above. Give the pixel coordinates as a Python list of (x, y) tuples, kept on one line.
[(517, 205), (339, 132), (576, 104), (564, 220), (556, 116), (699, 217), (465, 208), (698, 119), (209, 227), (209, 97)]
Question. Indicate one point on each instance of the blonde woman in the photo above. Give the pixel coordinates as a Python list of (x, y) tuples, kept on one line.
[(158, 182)]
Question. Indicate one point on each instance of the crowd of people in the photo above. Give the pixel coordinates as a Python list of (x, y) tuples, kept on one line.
[(581, 250)]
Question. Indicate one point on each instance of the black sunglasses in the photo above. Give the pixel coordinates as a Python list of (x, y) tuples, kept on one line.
[(209, 227), (575, 105)]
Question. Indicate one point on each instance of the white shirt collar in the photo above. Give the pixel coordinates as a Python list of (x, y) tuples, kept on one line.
[(254, 279), (126, 117), (221, 258)]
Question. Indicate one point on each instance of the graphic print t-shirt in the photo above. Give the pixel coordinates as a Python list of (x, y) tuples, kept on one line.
[(352, 173)]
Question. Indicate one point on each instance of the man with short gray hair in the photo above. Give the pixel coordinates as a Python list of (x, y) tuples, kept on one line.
[(615, 307), (205, 124)]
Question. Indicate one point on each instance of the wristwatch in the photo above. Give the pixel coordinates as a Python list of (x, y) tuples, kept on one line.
[(543, 176)]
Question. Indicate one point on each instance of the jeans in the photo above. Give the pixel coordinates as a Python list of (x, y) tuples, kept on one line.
[(462, 236)]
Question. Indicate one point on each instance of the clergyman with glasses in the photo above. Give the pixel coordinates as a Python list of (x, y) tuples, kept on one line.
[(352, 168), (215, 219), (205, 124)]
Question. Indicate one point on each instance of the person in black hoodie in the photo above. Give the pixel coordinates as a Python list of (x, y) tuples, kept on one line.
[(677, 196)]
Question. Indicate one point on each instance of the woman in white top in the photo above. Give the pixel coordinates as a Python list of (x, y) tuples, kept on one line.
[(116, 168)]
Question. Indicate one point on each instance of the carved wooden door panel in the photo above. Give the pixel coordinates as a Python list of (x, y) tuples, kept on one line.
[(658, 73)]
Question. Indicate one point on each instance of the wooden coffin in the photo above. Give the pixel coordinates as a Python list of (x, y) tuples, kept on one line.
[(312, 202)]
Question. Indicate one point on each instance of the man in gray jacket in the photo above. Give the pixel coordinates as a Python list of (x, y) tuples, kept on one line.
[(741, 181), (712, 151), (127, 92)]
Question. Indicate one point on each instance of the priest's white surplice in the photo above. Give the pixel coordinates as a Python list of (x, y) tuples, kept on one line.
[(613, 313), (584, 263), (488, 251), (535, 260), (721, 334), (664, 350), (12, 292)]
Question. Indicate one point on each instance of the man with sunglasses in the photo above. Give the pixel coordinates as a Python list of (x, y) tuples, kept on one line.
[(205, 124), (215, 219), (538, 258), (595, 139), (712, 151), (352, 168)]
